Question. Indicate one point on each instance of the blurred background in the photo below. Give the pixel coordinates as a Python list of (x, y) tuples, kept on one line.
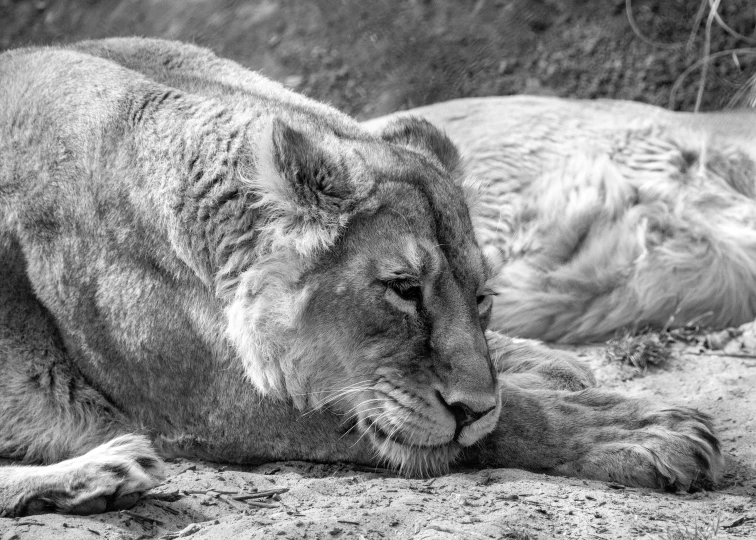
[(372, 57)]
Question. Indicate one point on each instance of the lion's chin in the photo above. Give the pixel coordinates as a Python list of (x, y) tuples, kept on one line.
[(411, 460)]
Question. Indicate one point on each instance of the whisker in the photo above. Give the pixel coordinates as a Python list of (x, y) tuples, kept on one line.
[(356, 423), (335, 397), (330, 390)]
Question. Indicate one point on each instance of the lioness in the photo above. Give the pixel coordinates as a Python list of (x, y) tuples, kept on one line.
[(603, 215), (193, 256)]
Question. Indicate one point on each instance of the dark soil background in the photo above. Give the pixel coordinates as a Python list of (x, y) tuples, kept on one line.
[(372, 57)]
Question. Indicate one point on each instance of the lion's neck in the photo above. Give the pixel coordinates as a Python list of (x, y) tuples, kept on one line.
[(192, 157)]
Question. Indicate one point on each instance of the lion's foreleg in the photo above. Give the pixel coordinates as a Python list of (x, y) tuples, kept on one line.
[(112, 476), (49, 414), (603, 436), (527, 364)]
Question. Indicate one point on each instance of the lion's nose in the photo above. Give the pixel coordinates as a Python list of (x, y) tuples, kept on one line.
[(465, 414)]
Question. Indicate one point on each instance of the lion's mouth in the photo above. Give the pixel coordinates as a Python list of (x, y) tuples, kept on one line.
[(395, 436), (405, 452), (408, 433)]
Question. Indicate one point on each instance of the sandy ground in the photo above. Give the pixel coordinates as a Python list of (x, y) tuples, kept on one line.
[(338, 501)]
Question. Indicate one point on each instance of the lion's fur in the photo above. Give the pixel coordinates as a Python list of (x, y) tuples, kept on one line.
[(605, 215), (182, 222), (197, 254)]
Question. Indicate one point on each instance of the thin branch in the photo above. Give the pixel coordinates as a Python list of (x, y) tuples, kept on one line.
[(713, 56), (714, 6)]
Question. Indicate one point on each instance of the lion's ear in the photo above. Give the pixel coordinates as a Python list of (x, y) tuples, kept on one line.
[(304, 185), (424, 137), (318, 177)]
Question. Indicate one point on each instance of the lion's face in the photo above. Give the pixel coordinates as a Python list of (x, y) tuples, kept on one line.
[(386, 325), (396, 319)]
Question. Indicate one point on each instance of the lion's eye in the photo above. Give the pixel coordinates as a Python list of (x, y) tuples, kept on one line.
[(485, 306), (406, 290), (485, 301)]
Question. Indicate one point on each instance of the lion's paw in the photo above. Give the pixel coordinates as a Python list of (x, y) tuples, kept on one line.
[(671, 448), (112, 476), (530, 365)]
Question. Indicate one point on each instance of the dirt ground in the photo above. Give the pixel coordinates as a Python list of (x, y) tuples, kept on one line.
[(372, 58)]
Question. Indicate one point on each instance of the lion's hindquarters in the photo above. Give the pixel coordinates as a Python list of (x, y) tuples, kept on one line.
[(604, 243)]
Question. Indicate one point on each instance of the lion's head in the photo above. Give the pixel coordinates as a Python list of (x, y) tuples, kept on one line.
[(368, 291)]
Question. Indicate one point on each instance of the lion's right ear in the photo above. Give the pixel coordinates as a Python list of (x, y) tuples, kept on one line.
[(304, 185), (422, 136)]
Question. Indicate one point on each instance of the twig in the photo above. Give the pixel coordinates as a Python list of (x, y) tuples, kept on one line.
[(724, 354), (207, 491), (347, 521), (261, 504), (235, 504), (738, 522), (713, 7), (259, 494), (168, 496), (697, 23), (730, 31), (166, 508), (140, 517), (697, 64)]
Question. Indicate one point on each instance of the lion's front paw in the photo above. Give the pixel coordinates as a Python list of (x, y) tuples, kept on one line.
[(530, 365), (672, 448), (112, 476)]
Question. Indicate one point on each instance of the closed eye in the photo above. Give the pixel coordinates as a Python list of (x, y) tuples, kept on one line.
[(485, 307), (407, 290), (485, 295)]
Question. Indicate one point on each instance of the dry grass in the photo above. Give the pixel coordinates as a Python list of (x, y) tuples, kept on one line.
[(640, 350), (695, 533)]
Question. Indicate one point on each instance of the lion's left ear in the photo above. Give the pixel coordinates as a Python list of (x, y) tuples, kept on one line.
[(424, 137), (303, 183)]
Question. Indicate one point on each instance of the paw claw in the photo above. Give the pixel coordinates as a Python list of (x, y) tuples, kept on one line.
[(93, 506), (686, 451), (36, 507), (636, 443), (125, 502)]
